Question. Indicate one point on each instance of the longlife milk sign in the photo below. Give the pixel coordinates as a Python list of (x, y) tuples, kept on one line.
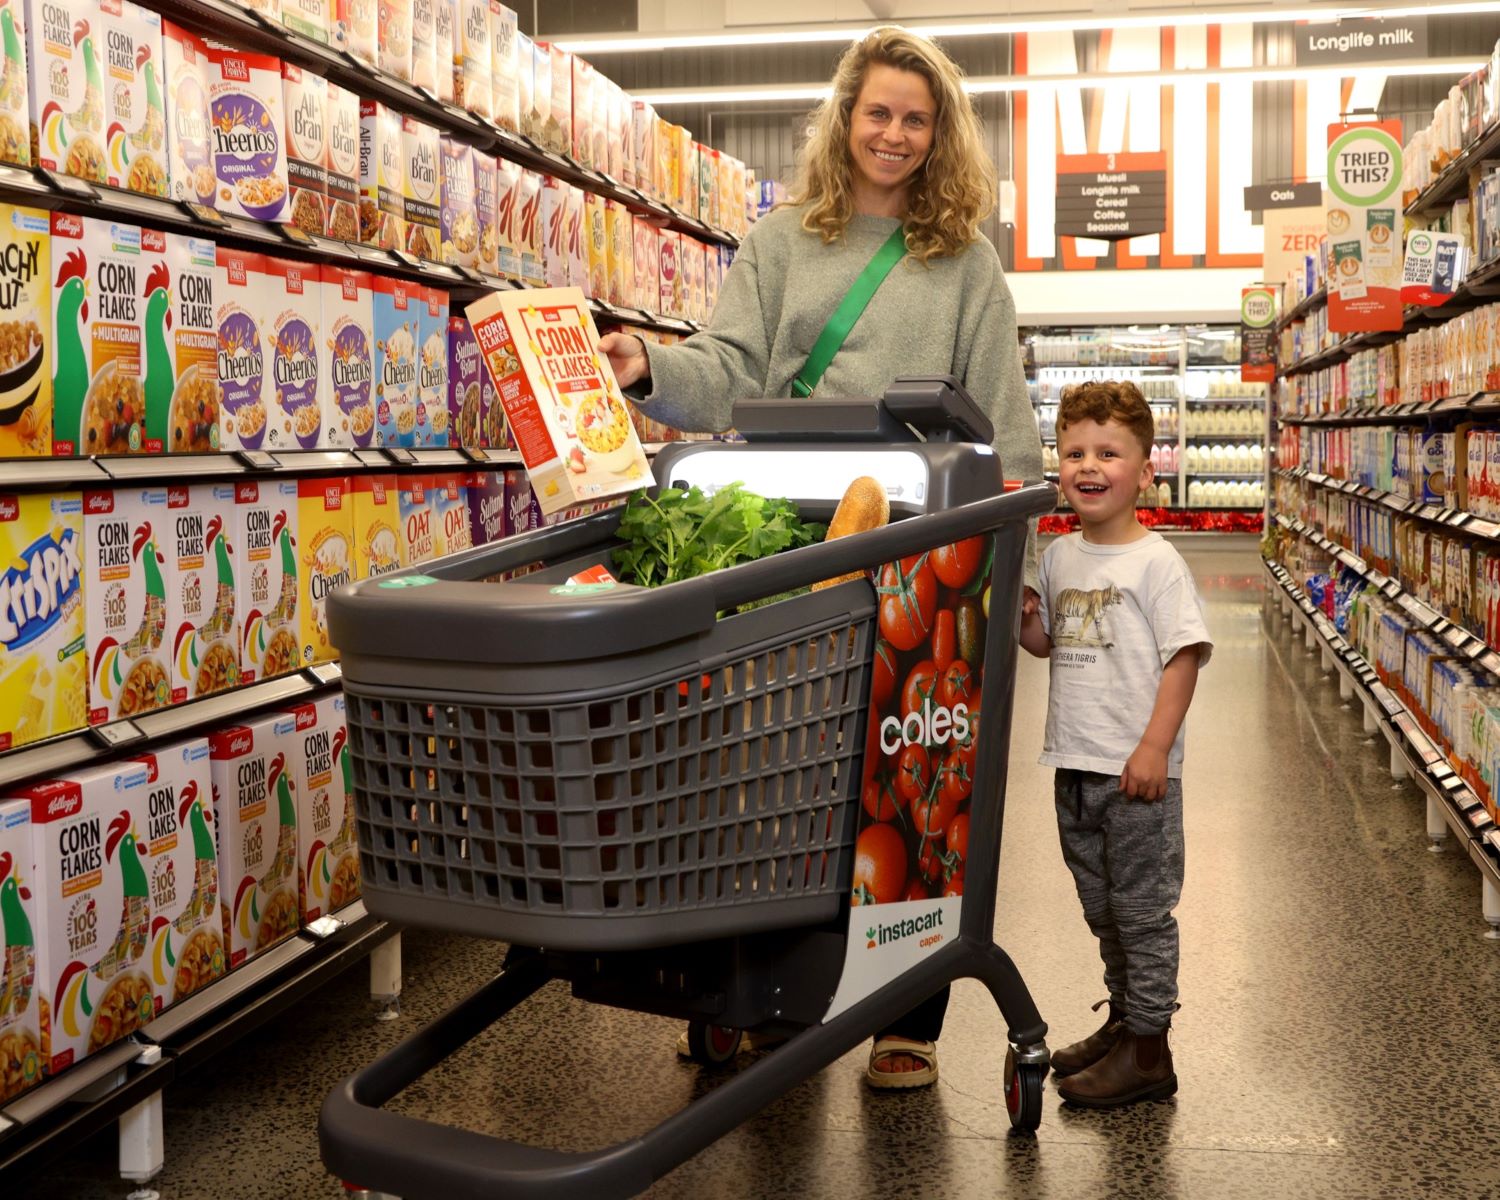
[(1364, 232), (1257, 334)]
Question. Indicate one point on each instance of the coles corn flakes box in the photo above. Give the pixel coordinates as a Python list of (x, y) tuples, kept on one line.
[(43, 690), (294, 336), (255, 806), (243, 310), (265, 533), (486, 491), (349, 354), (377, 525), (343, 164), (21, 1000), (432, 370), (325, 526), (508, 217), (63, 44), (554, 220), (449, 498), (125, 584), (486, 212), (190, 160), (182, 870), (327, 852), (471, 395), (382, 177), (25, 333), (596, 229), (181, 350), (134, 113), (422, 195), (532, 234), (398, 330), (203, 615), (249, 134), (15, 134), (460, 220), (471, 57), (560, 396), (305, 100), (393, 53), (418, 533), (354, 25), (505, 95), (424, 44)]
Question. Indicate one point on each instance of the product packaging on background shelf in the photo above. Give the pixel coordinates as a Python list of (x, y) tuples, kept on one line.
[(432, 369), (619, 244), (248, 131), (377, 525), (133, 64), (418, 535), (354, 28), (26, 300), (470, 392), (460, 220), (179, 353), (711, 280), (449, 500), (305, 97), (576, 236), (506, 223), (15, 139), (640, 167), (325, 554), (203, 608), (424, 45), (487, 198), (266, 514), (486, 493), (669, 266), (343, 173), (581, 136), (348, 349), (293, 335), (532, 231), (422, 189), (557, 133), (397, 322), (382, 177), (312, 19), (21, 1060), (471, 57), (190, 158), (504, 91), (443, 16), (541, 93), (125, 584), (645, 265), (525, 81), (597, 245), (393, 48), (66, 82), (554, 221), (327, 855), (518, 507)]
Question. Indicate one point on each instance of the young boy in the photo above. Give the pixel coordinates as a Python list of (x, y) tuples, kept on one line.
[(1122, 623)]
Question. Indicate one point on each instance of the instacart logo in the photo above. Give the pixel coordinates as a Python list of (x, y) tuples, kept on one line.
[(884, 935)]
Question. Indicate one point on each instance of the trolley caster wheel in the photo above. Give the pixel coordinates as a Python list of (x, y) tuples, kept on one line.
[(1023, 1093), (712, 1045)]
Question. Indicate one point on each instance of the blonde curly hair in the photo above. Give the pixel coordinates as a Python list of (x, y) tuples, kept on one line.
[(954, 190)]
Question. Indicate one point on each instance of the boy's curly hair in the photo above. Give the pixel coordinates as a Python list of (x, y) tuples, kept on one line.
[(1106, 400)]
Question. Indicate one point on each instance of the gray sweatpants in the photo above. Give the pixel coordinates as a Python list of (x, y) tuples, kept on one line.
[(1126, 857)]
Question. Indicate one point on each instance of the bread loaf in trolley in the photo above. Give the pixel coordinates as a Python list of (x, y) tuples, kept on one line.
[(864, 507)]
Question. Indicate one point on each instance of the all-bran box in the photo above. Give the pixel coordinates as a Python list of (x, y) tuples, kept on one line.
[(418, 528), (443, 15), (449, 498), (249, 133), (313, 19), (349, 351), (422, 191), (471, 57), (525, 80), (668, 243), (203, 616), (560, 396), (424, 45), (190, 158), (486, 213), (460, 221), (255, 806), (293, 338), (432, 370), (508, 217), (325, 523), (26, 333), (15, 131), (22, 1015), (377, 525), (393, 53), (486, 490), (558, 131), (354, 28), (182, 402), (343, 164), (305, 97), (596, 229), (243, 312), (471, 395), (581, 136), (182, 871), (646, 264), (98, 403), (541, 92), (398, 326), (532, 232), (577, 236), (43, 661), (504, 92), (266, 541), (93, 899), (125, 585), (554, 219), (67, 114), (619, 242), (382, 177), (327, 854), (134, 113)]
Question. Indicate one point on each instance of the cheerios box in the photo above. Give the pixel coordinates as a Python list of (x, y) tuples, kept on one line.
[(293, 337), (449, 498), (15, 133), (190, 160), (433, 428), (346, 377), (89, 838), (560, 396), (343, 164), (26, 333), (182, 871), (43, 663), (305, 102), (203, 616), (181, 343), (327, 851), (243, 310), (325, 560), (67, 89), (382, 177), (266, 512), (23, 1011), (422, 195), (398, 309), (249, 133), (255, 806), (126, 577), (134, 112), (376, 501), (418, 526)]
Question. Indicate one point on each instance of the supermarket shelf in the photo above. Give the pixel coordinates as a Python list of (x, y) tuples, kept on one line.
[(1412, 412), (1317, 300), (1242, 398), (1218, 365), (1447, 518), (1452, 183), (1257, 474), (1097, 366), (1224, 437)]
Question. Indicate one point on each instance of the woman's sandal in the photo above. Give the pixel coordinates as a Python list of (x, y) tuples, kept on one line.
[(891, 1080)]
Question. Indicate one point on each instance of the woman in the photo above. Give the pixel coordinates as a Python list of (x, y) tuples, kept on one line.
[(897, 145)]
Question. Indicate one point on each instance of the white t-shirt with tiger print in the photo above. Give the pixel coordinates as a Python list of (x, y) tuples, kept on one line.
[(1116, 616)]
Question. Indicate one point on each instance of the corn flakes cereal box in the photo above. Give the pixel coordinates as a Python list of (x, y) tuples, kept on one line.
[(249, 136), (505, 95), (343, 851), (443, 15), (134, 113), (182, 872), (93, 902), (203, 618), (313, 19), (349, 353), (305, 97), (541, 92), (43, 690), (646, 263), (21, 998), (560, 396), (418, 529), (486, 492), (393, 54), (432, 370), (471, 57), (460, 219), (525, 80), (668, 249), (325, 523), (25, 333), (327, 853), (180, 351), (532, 231), (243, 311), (422, 195), (448, 496), (424, 44), (15, 133), (96, 363), (382, 177), (581, 136), (377, 525), (293, 336), (578, 237), (266, 563), (554, 220), (486, 212), (354, 28), (596, 231), (343, 169), (398, 326), (470, 394), (255, 806), (66, 84), (558, 132), (125, 586), (190, 159)]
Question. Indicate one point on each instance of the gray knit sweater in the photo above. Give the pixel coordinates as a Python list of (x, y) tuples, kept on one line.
[(952, 316)]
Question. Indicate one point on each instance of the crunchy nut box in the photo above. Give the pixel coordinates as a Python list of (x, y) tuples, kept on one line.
[(26, 333), (349, 353), (21, 1016), (245, 105), (325, 525), (305, 97), (67, 114), (266, 562), (242, 310)]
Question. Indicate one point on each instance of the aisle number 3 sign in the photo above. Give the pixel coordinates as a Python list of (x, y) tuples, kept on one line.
[(1362, 206)]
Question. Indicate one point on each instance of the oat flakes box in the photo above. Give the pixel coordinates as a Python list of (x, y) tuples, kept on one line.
[(327, 853), (64, 76), (343, 164), (313, 19), (377, 525), (433, 427), (89, 834), (98, 406), (134, 112), (23, 1010), (532, 233), (460, 220), (418, 520), (203, 615), (293, 337), (190, 159), (398, 330), (25, 333), (508, 217), (182, 871), (325, 525), (382, 177), (422, 194), (504, 92), (486, 491), (347, 377), (471, 395), (43, 662), (452, 531), (354, 23), (15, 132), (265, 530), (179, 352), (249, 134), (125, 584), (305, 97), (255, 806), (560, 396), (487, 197), (471, 57), (242, 315)]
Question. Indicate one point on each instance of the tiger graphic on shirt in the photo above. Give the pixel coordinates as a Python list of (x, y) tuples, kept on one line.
[(1087, 608)]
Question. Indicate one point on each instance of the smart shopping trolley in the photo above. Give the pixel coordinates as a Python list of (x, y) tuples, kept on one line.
[(779, 818)]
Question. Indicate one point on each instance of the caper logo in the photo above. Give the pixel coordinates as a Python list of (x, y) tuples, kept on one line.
[(1420, 244), (1364, 166), (1257, 310)]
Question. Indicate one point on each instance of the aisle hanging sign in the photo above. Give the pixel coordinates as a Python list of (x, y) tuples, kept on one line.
[(1436, 263), (1112, 197), (1258, 334), (1363, 214), (1361, 40)]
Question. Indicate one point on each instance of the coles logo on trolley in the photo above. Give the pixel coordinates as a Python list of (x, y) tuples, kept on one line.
[(931, 725)]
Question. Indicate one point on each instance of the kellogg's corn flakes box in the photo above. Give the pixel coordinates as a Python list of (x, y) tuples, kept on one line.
[(43, 663), (126, 578), (22, 988), (432, 370), (398, 330), (181, 343), (63, 45), (328, 853), (134, 112), (294, 339), (203, 615), (249, 133), (377, 525), (560, 396), (418, 525), (243, 310), (15, 134), (347, 380), (266, 513), (325, 525), (25, 333)]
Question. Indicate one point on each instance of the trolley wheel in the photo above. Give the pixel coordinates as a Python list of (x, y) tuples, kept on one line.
[(712, 1045), (1023, 1093)]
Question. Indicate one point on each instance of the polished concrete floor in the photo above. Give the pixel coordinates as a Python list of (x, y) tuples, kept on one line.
[(1338, 1035)]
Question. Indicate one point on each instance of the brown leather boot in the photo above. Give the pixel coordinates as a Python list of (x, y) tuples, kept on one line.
[(1136, 1068), (1072, 1059)]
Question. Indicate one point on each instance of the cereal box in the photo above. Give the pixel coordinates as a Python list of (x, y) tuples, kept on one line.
[(394, 49), (508, 217), (292, 338), (460, 221), (266, 565), (349, 351), (525, 80), (708, 208), (125, 592), (486, 490), (517, 503), (619, 241), (325, 524), (558, 132), (443, 15), (270, 9), (190, 159), (471, 395), (471, 57), (255, 811), (424, 44), (354, 28), (698, 262), (669, 301), (15, 134), (22, 986), (603, 106), (181, 349), (203, 626), (646, 263), (577, 235), (398, 316), (96, 361), (640, 170), (305, 96), (621, 131), (486, 198), (342, 857), (327, 854), (432, 370), (450, 514), (560, 396), (382, 177), (242, 316), (541, 92), (313, 19), (505, 95), (422, 189), (581, 136), (667, 161), (245, 106), (66, 86), (377, 525), (597, 245), (93, 901), (532, 232), (182, 872), (687, 151), (343, 164), (134, 114), (42, 657), (710, 281), (25, 333), (418, 534), (554, 219)]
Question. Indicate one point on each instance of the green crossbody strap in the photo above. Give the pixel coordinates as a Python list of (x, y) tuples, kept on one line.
[(855, 301)]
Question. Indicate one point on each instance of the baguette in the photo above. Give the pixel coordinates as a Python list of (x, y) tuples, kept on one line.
[(864, 507)]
